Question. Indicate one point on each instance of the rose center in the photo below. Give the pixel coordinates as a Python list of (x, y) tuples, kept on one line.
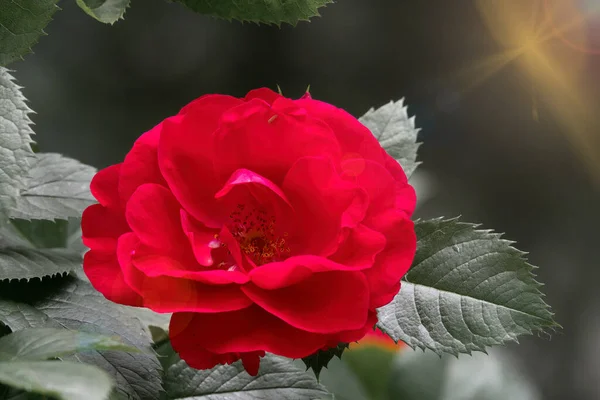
[(256, 232)]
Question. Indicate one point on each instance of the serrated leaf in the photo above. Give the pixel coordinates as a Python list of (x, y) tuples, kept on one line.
[(467, 289), (424, 376), (43, 234), (321, 358), (56, 187), (278, 378), (28, 263), (107, 11), (38, 344), (22, 22), (259, 11), (396, 133), (15, 136), (69, 303), (62, 380)]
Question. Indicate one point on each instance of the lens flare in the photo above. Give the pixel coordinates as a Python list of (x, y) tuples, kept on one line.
[(576, 23)]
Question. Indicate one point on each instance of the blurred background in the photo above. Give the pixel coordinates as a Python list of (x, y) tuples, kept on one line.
[(507, 93)]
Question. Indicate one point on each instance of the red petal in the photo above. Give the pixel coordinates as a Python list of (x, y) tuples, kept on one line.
[(141, 164), (101, 227), (157, 265), (395, 260), (360, 247), (264, 94), (104, 186), (154, 215), (242, 331), (324, 203), (185, 155), (105, 275), (268, 141), (167, 294), (356, 140), (251, 361), (200, 237), (293, 270), (311, 305)]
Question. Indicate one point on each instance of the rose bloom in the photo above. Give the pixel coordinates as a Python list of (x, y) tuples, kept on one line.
[(262, 223)]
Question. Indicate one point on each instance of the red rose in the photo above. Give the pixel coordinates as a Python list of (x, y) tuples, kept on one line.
[(263, 224)]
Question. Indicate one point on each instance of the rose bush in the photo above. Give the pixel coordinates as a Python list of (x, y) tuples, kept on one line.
[(262, 223)]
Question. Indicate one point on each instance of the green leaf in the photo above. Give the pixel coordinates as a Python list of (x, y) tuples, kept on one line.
[(69, 303), (424, 376), (43, 234), (15, 135), (467, 289), (321, 358), (63, 380), (28, 263), (107, 11), (259, 11), (37, 344), (56, 187), (22, 22), (278, 378), (396, 133)]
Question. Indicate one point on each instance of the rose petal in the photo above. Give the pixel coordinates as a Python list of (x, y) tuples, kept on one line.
[(243, 331), (105, 275), (101, 227), (268, 141), (104, 186), (141, 164), (154, 215), (321, 198), (310, 305), (157, 265), (167, 294), (264, 94), (354, 137), (395, 260), (202, 239), (185, 156), (277, 275), (360, 247)]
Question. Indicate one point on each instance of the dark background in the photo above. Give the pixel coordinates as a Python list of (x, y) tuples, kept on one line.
[(496, 150)]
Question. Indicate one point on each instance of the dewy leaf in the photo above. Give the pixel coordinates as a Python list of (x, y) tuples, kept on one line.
[(56, 187), (259, 11), (59, 379), (28, 263), (69, 303), (278, 378), (21, 25), (15, 135), (107, 11), (38, 344), (467, 289), (396, 133)]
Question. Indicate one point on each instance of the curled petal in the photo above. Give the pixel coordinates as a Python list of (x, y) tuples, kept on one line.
[(360, 247), (310, 305), (141, 164), (264, 94), (249, 330), (101, 227), (395, 260), (105, 275), (104, 186), (168, 294), (188, 169), (321, 198), (268, 141), (153, 214)]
